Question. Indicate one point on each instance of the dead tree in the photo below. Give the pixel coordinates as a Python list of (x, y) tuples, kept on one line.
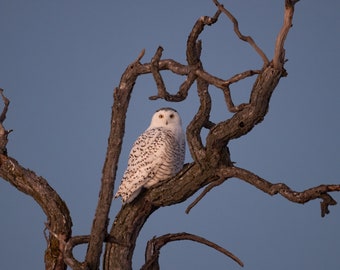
[(211, 164)]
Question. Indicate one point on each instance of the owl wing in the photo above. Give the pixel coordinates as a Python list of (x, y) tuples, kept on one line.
[(144, 159)]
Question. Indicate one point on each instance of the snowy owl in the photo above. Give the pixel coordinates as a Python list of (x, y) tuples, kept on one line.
[(156, 155)]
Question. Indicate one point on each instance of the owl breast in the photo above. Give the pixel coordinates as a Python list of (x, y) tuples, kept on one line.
[(170, 152), (157, 154)]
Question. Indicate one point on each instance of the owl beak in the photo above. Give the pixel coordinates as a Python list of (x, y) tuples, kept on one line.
[(166, 122)]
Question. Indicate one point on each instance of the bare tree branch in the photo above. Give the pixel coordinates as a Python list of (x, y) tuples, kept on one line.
[(238, 32), (279, 53), (79, 240), (198, 122), (132, 217), (3, 132), (209, 187), (208, 159), (211, 167), (121, 101), (155, 244), (162, 93), (6, 104), (319, 192), (58, 217), (192, 53), (243, 121), (68, 255)]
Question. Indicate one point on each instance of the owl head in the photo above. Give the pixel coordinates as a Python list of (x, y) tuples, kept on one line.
[(166, 117)]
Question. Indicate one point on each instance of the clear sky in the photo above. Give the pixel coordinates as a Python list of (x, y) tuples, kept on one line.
[(59, 63)]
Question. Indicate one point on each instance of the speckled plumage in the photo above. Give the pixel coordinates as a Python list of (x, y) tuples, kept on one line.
[(156, 155)]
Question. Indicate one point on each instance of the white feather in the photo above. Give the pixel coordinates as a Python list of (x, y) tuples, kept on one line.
[(156, 155)]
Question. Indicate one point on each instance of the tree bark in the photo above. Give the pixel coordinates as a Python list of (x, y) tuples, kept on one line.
[(211, 166)]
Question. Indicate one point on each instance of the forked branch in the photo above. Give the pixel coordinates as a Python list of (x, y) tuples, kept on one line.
[(211, 167), (248, 39), (155, 68), (212, 163), (122, 96), (59, 220), (319, 192)]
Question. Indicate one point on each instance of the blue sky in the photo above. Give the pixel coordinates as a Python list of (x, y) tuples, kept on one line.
[(60, 61)]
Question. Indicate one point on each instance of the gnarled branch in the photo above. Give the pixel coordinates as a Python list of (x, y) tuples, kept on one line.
[(3, 132), (121, 101), (155, 244), (162, 92), (319, 192), (79, 240), (59, 220), (208, 159), (248, 39), (58, 217), (279, 53), (211, 167)]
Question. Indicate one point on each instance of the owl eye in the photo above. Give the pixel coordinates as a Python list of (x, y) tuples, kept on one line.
[(172, 116), (160, 116)]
